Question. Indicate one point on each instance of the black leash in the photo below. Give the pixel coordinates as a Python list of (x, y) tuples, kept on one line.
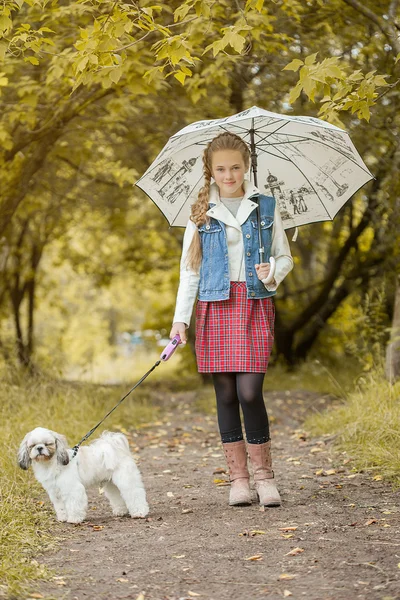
[(76, 447)]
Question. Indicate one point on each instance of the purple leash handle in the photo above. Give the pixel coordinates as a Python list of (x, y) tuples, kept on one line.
[(170, 348)]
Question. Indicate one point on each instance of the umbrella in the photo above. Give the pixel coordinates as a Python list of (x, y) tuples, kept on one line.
[(310, 166)]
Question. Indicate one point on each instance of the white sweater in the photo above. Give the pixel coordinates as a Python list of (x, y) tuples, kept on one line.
[(280, 250)]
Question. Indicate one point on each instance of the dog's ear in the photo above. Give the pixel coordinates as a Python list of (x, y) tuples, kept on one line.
[(24, 460), (61, 449)]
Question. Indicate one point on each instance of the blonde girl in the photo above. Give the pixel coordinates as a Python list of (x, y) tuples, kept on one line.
[(235, 312)]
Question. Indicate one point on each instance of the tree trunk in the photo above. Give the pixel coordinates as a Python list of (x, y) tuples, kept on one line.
[(393, 348)]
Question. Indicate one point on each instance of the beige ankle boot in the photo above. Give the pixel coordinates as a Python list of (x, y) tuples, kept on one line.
[(236, 458), (260, 458)]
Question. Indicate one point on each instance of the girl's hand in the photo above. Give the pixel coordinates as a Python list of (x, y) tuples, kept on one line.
[(179, 328), (262, 271)]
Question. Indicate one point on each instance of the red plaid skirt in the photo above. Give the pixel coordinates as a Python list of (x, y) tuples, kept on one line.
[(234, 335)]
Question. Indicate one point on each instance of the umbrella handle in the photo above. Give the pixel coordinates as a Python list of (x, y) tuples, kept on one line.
[(271, 273)]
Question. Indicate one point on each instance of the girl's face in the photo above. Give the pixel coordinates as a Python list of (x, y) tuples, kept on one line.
[(228, 170)]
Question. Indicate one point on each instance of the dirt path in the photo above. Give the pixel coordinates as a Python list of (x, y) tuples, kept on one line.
[(336, 537)]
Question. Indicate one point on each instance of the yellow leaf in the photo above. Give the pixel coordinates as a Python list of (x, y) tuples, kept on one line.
[(180, 76), (377, 478), (255, 557), (122, 580), (287, 576), (294, 65), (330, 472), (310, 60), (293, 528), (286, 593), (193, 593), (295, 552)]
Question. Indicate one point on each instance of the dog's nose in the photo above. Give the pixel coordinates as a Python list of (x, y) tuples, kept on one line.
[(39, 448)]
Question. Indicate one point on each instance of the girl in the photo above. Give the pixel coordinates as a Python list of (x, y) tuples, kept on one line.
[(235, 312)]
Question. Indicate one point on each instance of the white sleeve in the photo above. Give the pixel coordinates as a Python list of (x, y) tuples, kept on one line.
[(188, 282), (280, 250)]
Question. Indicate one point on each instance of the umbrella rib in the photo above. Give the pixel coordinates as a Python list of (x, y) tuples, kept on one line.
[(180, 210), (307, 179), (307, 139)]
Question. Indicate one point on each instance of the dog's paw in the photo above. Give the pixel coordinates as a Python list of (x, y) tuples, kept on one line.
[(74, 519), (120, 512), (140, 514)]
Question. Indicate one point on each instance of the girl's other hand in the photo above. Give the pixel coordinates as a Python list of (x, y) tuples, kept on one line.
[(263, 270), (179, 328)]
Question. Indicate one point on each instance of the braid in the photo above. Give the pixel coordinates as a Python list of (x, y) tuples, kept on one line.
[(223, 141)]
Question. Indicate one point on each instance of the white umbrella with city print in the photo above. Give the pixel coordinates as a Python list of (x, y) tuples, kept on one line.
[(311, 167)]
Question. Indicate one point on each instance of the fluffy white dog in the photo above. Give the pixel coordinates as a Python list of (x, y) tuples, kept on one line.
[(106, 462)]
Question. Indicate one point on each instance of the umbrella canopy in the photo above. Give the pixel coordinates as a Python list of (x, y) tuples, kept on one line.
[(311, 167)]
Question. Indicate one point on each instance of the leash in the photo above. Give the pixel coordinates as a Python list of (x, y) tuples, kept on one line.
[(165, 355)]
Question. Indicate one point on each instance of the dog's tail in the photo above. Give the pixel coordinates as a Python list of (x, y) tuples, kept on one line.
[(118, 440)]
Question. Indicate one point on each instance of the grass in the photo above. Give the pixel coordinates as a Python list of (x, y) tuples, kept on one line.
[(367, 426), (70, 408)]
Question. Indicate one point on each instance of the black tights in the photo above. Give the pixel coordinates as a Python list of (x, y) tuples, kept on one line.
[(235, 390)]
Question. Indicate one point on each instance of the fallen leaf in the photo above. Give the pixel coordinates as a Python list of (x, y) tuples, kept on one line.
[(170, 495), (370, 522), (254, 532), (61, 582), (193, 593), (315, 449), (320, 472), (219, 471), (330, 472), (220, 481), (293, 528), (178, 555), (122, 580), (286, 593), (287, 535), (286, 576), (141, 596), (185, 511), (295, 551), (377, 478), (255, 557), (35, 596)]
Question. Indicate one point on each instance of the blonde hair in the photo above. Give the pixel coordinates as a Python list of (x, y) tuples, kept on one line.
[(223, 141)]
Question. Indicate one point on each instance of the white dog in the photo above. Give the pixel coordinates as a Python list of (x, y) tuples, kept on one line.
[(107, 462)]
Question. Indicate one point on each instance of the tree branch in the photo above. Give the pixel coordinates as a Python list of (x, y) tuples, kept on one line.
[(388, 29)]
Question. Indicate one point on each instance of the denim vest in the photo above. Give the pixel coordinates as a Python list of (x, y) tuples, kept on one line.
[(214, 269)]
